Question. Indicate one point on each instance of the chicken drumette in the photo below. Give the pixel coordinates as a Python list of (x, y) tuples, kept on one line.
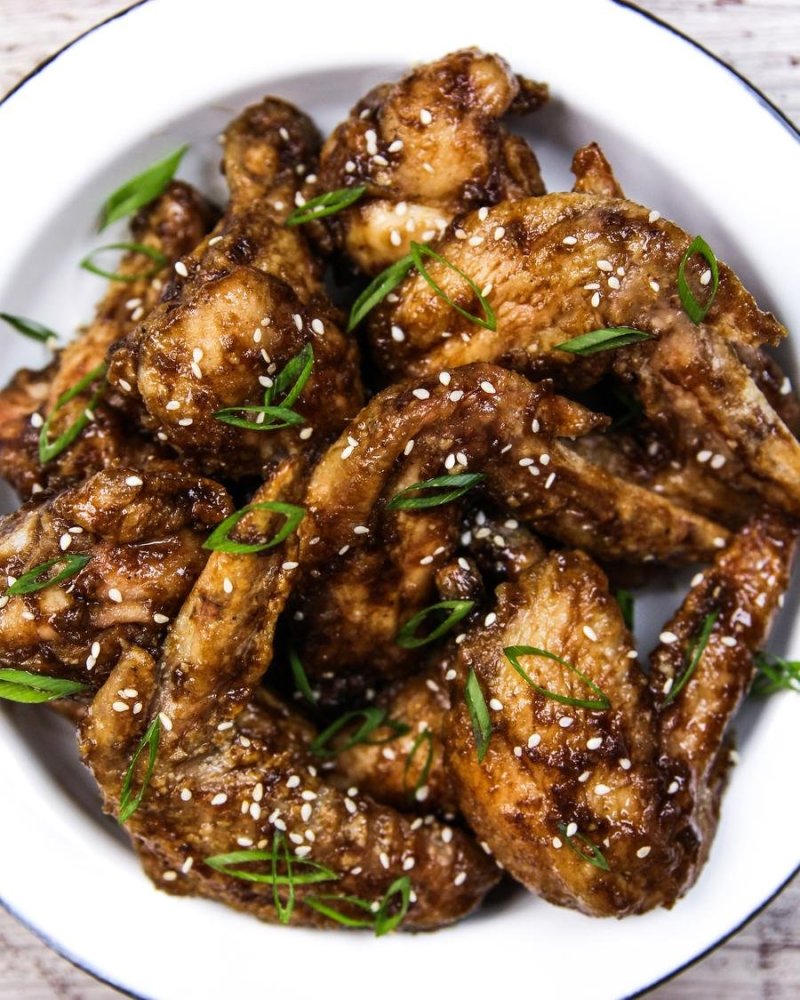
[(427, 148)]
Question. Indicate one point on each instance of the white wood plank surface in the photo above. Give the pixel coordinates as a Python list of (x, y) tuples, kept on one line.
[(762, 39)]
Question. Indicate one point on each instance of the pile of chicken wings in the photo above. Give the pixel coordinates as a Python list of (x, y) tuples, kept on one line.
[(352, 626)]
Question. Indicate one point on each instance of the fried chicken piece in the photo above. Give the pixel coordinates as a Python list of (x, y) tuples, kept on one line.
[(594, 174), (610, 811), (143, 531), (427, 148), (368, 569), (562, 265), (214, 755), (241, 307), (172, 224)]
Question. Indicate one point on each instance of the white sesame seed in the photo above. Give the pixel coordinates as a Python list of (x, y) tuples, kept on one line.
[(570, 241), (308, 796), (219, 799), (37, 420), (717, 461), (383, 857), (425, 116), (475, 241), (165, 721), (227, 585), (460, 879), (565, 721), (185, 422), (120, 706), (601, 789), (544, 459), (668, 638), (444, 378), (408, 864), (421, 393), (170, 876), (729, 641), (214, 240), (499, 232), (703, 456), (655, 285), (223, 727), (133, 481), (605, 265), (594, 743), (534, 740), (244, 841), (456, 395), (186, 794), (786, 387), (595, 300), (718, 543), (173, 404), (557, 843), (488, 387), (65, 541), (624, 763), (590, 633), (643, 852), (613, 282), (396, 146), (305, 811), (180, 268), (289, 564), (490, 619), (549, 481), (584, 777), (409, 447), (115, 595), (705, 277), (572, 829), (395, 238), (496, 705), (673, 787)]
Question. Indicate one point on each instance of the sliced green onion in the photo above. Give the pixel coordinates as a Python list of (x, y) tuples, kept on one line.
[(272, 417), (603, 340), (373, 718), (228, 864), (129, 803), (420, 250), (301, 678), (426, 737), (291, 379), (48, 450), (625, 600), (694, 310), (377, 290), (30, 328), (34, 689), (379, 919), (141, 189), (479, 714), (596, 858), (220, 541), (407, 637), (775, 674), (325, 204), (280, 851), (600, 704), (695, 654), (35, 578), (159, 260), (446, 489)]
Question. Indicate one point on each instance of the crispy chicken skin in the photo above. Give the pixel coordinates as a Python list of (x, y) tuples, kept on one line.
[(240, 307), (173, 224), (641, 780), (214, 755), (428, 148), (367, 570), (563, 265), (593, 173), (143, 530)]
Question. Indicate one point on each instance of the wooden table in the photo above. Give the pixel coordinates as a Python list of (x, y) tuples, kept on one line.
[(762, 39)]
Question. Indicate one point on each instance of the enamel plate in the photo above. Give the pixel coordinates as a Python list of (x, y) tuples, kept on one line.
[(686, 136)]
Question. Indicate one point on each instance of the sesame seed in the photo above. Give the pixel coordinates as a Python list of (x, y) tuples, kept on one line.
[(306, 433), (601, 789), (186, 794), (584, 777), (593, 286), (305, 811), (444, 378), (595, 300), (565, 721), (115, 595), (308, 796), (668, 638), (219, 799), (344, 549), (214, 240), (475, 241), (137, 314), (488, 387), (170, 876), (421, 393), (654, 216), (301, 852), (227, 585), (594, 743), (705, 277), (165, 721), (37, 420), (673, 787), (517, 751), (65, 541), (293, 781), (624, 763), (572, 829), (244, 841), (349, 167), (534, 740), (223, 727), (460, 879), (613, 282), (717, 461), (289, 564), (719, 543), (544, 459), (396, 146), (703, 456), (185, 422), (550, 480), (590, 633), (557, 843), (409, 447), (655, 285), (728, 640), (605, 265), (180, 268), (786, 387), (449, 462), (120, 706), (425, 116), (456, 395), (490, 619), (643, 852), (667, 685), (133, 481), (499, 232), (384, 859), (408, 864), (496, 705)]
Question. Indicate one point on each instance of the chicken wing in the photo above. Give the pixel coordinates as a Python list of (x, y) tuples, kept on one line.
[(367, 569), (228, 778), (173, 224), (240, 308), (137, 534), (608, 802), (562, 265), (428, 148)]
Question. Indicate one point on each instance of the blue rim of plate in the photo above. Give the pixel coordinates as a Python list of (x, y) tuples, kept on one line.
[(793, 131)]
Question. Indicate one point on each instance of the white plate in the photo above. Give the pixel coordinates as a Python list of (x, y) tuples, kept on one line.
[(686, 136)]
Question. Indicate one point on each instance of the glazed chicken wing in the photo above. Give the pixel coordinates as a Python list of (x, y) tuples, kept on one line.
[(608, 804), (428, 148), (240, 308), (173, 224), (563, 265), (367, 569), (229, 778), (137, 535)]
